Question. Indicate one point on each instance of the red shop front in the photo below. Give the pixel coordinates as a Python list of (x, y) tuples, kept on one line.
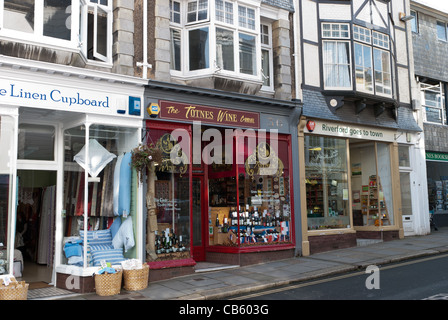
[(223, 193)]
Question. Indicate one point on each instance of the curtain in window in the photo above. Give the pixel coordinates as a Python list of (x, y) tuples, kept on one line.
[(224, 49), (336, 64)]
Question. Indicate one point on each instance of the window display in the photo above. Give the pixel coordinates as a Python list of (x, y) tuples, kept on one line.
[(172, 200), (99, 211), (250, 202), (327, 193), (371, 180)]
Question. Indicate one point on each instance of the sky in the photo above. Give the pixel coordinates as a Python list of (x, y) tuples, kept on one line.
[(441, 5)]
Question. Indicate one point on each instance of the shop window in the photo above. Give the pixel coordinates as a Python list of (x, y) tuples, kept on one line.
[(172, 199), (327, 191), (250, 202), (437, 182), (7, 205), (371, 184), (36, 142), (100, 195)]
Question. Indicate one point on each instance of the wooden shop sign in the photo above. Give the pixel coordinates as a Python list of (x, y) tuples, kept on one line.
[(212, 115)]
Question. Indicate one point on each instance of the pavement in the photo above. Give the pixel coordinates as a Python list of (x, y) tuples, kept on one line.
[(226, 281)]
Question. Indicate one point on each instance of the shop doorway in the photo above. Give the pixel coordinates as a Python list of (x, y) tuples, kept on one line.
[(35, 225), (199, 206)]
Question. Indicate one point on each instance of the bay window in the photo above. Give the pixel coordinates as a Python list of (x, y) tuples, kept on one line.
[(371, 60), (215, 36), (71, 24)]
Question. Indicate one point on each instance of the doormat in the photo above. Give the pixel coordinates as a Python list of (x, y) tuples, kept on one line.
[(46, 293), (38, 285)]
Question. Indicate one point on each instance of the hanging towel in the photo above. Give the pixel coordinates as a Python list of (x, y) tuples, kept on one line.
[(124, 193), (117, 183)]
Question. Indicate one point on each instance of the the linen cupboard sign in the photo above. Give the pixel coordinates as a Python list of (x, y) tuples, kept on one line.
[(189, 112)]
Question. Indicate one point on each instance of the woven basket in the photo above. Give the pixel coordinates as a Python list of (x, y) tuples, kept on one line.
[(14, 291), (108, 284), (136, 279)]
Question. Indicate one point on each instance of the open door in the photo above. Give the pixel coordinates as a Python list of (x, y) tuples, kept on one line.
[(200, 224)]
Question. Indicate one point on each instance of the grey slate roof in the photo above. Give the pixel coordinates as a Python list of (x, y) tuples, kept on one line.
[(315, 106), (284, 4)]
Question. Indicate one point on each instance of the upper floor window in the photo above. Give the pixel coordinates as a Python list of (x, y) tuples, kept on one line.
[(414, 22), (72, 24), (433, 102), (217, 36), (371, 61), (336, 56), (266, 56), (441, 31)]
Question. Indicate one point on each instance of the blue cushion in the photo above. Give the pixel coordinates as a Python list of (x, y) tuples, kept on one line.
[(99, 237), (114, 256)]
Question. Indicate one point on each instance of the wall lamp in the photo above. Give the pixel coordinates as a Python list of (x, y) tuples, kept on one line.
[(404, 17)]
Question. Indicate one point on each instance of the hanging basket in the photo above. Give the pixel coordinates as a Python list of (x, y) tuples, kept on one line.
[(108, 284), (14, 291), (136, 279)]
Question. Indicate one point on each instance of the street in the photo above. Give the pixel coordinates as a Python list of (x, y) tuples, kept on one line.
[(412, 280)]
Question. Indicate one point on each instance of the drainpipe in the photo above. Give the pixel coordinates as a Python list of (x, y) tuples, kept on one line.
[(145, 64)]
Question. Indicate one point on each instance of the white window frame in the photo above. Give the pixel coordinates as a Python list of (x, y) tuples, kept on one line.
[(85, 7), (382, 73), (196, 12), (437, 89), (363, 87), (349, 64), (212, 23), (37, 37), (267, 47)]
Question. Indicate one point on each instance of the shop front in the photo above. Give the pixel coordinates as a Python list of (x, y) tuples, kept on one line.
[(437, 173), (65, 137), (350, 181), (224, 190)]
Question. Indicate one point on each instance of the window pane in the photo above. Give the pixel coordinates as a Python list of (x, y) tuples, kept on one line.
[(414, 22), (224, 49), (36, 142), (19, 15), (385, 206), (175, 50), (403, 156), (57, 19), (326, 183), (248, 61), (175, 11), (265, 65), (441, 31), (101, 37), (198, 49), (246, 17), (336, 64), (363, 64), (382, 71)]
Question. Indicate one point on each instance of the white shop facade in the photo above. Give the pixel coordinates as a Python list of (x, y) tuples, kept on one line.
[(64, 133)]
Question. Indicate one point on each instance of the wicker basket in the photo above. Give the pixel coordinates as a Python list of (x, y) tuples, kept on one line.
[(136, 279), (108, 284), (14, 291)]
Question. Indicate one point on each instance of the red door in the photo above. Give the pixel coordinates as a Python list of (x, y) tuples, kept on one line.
[(200, 222)]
